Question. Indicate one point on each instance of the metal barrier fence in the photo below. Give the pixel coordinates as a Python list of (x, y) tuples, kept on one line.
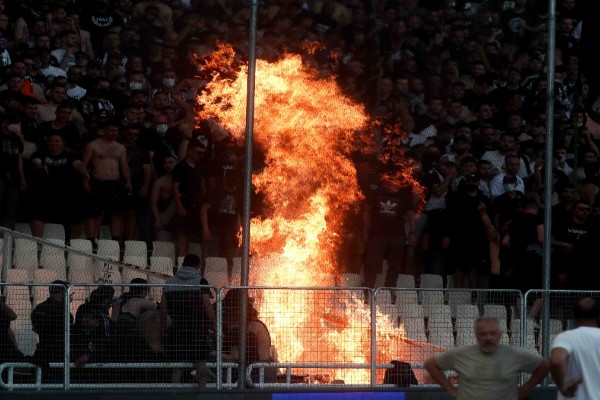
[(317, 336), (297, 336)]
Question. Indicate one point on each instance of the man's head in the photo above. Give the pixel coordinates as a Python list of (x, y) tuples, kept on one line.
[(57, 290), (487, 333), (586, 311), (512, 163), (108, 130), (191, 260), (56, 144), (196, 148)]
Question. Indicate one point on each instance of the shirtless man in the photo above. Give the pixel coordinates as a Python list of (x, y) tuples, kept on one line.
[(163, 205), (109, 181)]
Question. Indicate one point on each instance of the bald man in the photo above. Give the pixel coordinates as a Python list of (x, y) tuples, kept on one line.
[(575, 354), (487, 370)]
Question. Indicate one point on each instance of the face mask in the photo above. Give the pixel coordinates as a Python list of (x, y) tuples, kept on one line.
[(161, 129), (136, 85), (169, 82)]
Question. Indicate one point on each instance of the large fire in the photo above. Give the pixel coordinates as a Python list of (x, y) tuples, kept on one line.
[(306, 129)]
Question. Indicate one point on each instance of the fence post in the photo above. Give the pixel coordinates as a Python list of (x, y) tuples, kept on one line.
[(373, 296), (6, 257), (67, 348)]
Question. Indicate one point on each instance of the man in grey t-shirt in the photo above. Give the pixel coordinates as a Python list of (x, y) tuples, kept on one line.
[(487, 370)]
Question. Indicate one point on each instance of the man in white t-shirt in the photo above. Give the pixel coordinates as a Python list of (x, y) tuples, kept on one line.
[(575, 354), (487, 370)]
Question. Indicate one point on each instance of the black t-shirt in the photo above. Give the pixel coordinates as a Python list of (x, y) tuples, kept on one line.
[(62, 176), (190, 181), (11, 149), (387, 210), (137, 157), (224, 209)]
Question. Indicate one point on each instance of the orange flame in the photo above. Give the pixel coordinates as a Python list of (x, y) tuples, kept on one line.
[(306, 128)]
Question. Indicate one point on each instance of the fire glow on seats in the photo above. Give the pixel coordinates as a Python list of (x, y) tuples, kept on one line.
[(306, 129)]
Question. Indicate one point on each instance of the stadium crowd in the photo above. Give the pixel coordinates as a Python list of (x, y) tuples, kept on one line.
[(98, 111), (98, 126)]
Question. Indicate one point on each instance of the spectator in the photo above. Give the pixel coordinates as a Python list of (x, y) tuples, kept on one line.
[(523, 242), (221, 210), (565, 234), (189, 190), (127, 316), (258, 342), (389, 226), (46, 67), (163, 204), (65, 54), (465, 236), (189, 306), (472, 362), (109, 181), (83, 41), (47, 111), (98, 19), (574, 357), (12, 174), (137, 202), (74, 91), (48, 321), (88, 344), (9, 352), (57, 182), (508, 176), (61, 125), (506, 145)]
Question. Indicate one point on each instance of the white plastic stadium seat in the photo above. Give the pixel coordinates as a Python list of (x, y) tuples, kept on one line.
[(109, 248), (25, 255), (413, 322), (54, 258), (431, 281), (405, 281), (163, 249), (456, 297), (135, 248), (164, 265), (54, 231)]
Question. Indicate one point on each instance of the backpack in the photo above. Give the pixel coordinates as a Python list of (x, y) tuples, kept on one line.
[(401, 374)]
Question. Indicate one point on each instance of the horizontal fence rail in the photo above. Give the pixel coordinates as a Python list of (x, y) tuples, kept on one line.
[(322, 337)]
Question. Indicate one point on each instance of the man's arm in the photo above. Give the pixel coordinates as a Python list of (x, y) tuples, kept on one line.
[(126, 173), (177, 197), (204, 221), (558, 366), (439, 377), (85, 162), (536, 377)]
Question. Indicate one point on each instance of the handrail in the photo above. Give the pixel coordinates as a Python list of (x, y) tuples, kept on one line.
[(94, 256)]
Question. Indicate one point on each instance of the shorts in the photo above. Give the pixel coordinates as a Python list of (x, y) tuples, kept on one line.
[(107, 196), (188, 225), (62, 207)]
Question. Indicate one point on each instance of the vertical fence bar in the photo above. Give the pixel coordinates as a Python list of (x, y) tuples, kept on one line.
[(219, 344), (373, 296), (67, 346), (6, 257)]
